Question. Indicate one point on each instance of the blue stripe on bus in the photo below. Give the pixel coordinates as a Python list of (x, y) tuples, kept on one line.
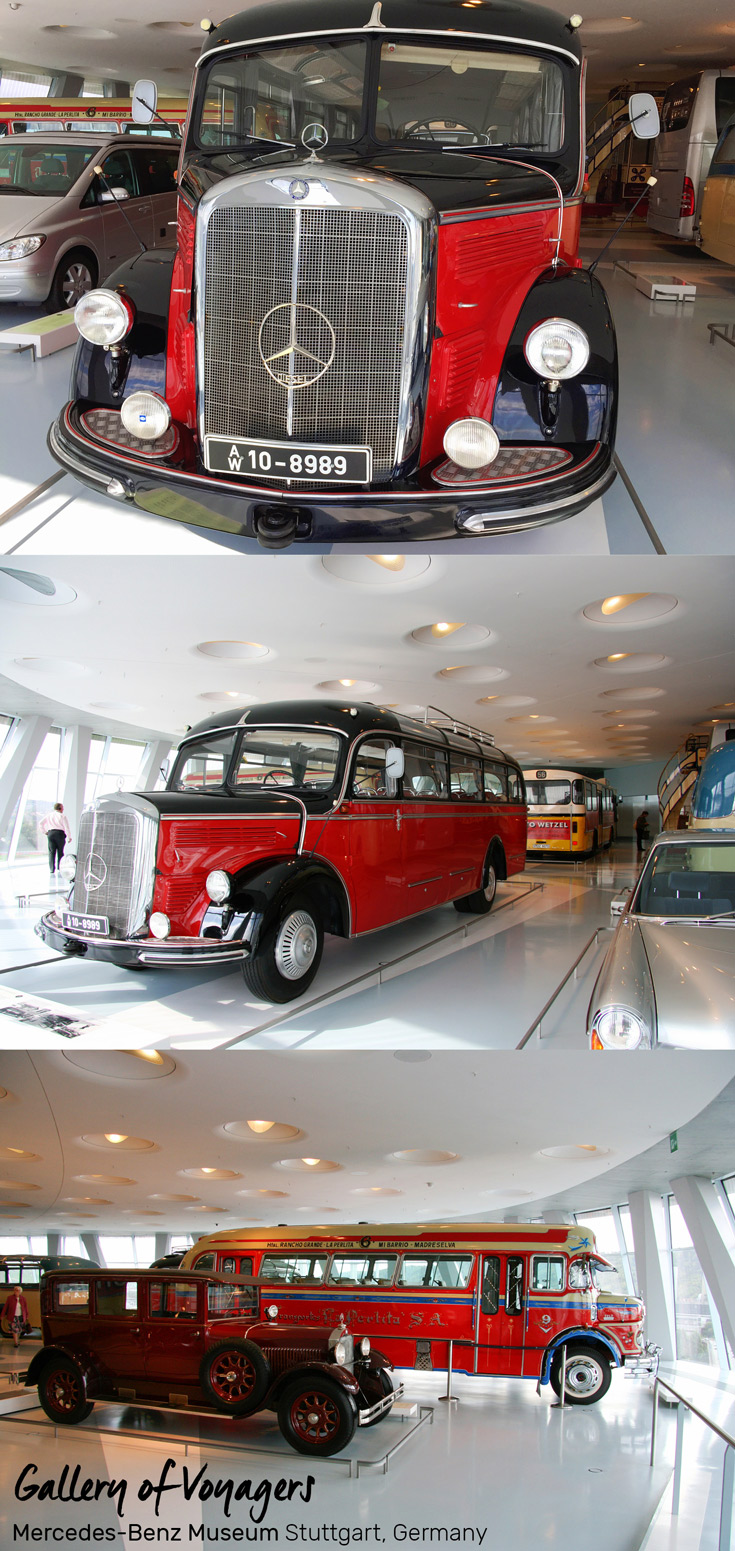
[(380, 1298)]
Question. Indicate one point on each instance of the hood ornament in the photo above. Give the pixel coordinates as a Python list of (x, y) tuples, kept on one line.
[(315, 138)]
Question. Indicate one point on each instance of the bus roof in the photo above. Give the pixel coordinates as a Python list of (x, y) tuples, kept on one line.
[(402, 1236)]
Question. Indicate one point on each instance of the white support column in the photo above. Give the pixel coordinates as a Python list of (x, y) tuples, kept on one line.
[(92, 1246), (711, 1237), (162, 1241), (151, 763), (79, 740), (652, 1269), (19, 756), (554, 1217)]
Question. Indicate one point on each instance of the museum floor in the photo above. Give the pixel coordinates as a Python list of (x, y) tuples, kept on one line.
[(401, 986), (674, 435)]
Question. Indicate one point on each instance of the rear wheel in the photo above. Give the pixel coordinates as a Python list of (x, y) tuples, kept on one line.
[(588, 1376), (75, 276), (234, 1376), (316, 1416), (481, 901), (288, 955), (61, 1392)]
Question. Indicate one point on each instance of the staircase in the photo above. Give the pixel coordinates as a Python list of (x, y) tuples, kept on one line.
[(678, 776), (609, 128)]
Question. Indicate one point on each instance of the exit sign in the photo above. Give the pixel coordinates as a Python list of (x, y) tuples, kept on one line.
[(674, 1141)]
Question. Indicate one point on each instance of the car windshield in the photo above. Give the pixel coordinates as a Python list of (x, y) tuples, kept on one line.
[(202, 766), (272, 94), (696, 879), (463, 96), (50, 169), (231, 1300), (300, 758)]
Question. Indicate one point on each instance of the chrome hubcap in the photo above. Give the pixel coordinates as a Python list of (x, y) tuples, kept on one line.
[(584, 1376), (491, 885), (296, 945), (76, 283)]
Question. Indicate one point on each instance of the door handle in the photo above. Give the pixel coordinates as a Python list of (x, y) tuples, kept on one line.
[(398, 818)]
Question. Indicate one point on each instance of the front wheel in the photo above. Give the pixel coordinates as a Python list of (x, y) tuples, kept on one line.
[(288, 955), (386, 1388), (234, 1376), (588, 1376), (479, 903), (75, 276), (316, 1416), (61, 1392)]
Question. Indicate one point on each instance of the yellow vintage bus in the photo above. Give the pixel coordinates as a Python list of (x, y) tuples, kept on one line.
[(568, 813)]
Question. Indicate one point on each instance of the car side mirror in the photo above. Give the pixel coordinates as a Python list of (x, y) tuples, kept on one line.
[(145, 102), (112, 196), (618, 906), (644, 116), (395, 763)]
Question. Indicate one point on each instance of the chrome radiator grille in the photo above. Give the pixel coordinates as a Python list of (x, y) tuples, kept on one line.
[(352, 267), (107, 881)]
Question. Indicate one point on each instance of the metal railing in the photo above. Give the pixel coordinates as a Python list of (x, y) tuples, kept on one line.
[(724, 331), (570, 974), (484, 1346), (728, 1464)]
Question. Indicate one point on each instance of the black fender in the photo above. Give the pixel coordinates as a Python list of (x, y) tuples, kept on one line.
[(496, 849), (47, 1354), (104, 380), (314, 1370), (586, 405), (592, 1338), (369, 1372), (260, 892)]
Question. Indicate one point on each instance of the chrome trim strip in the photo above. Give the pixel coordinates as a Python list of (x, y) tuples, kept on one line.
[(479, 522), (364, 1418), (182, 948), (422, 883), (410, 32), (482, 213), (226, 818)]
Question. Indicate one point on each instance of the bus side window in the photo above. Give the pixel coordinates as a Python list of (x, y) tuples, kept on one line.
[(516, 792), (548, 1273), (490, 1295), (514, 1285), (494, 779), (206, 1263)]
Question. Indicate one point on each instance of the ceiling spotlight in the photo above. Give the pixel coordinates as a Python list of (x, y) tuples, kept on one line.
[(114, 1136), (620, 601), (261, 1125), (347, 683), (153, 1056), (312, 1162), (389, 562)]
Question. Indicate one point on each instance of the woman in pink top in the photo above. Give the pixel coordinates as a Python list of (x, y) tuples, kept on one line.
[(15, 1314)]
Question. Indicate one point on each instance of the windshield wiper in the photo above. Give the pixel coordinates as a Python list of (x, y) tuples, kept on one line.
[(20, 188)]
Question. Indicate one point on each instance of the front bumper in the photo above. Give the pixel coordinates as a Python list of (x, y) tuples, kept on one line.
[(371, 1413), (417, 510), (140, 950), (20, 283)]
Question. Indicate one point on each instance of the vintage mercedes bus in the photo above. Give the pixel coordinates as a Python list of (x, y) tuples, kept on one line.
[(374, 321), (281, 822), (568, 814), (509, 1297)]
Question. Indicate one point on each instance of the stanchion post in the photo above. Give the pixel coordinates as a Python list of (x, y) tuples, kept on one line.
[(654, 1421), (680, 1416), (449, 1399), (563, 1372), (728, 1482)]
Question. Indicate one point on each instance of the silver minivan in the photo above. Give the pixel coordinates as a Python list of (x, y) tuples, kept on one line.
[(63, 228), (693, 117)]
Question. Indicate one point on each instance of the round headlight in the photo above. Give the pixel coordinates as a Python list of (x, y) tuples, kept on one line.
[(619, 1028), (159, 924), (103, 317), (365, 1346), (471, 443), (145, 415), (557, 349), (218, 886), (340, 1353), (68, 867)]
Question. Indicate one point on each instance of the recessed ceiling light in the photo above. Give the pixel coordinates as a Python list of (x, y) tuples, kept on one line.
[(261, 1130), (165, 1196), (17, 1184), (647, 693), (378, 570), (308, 1165), (477, 675), (424, 1155), (626, 609), (375, 1190), (360, 686), (269, 1194), (238, 651), (631, 662), (460, 634), (65, 667), (103, 1179), (126, 1065), (31, 589), (209, 1172), (389, 562), (574, 1150), (499, 702), (116, 1140), (18, 1155)]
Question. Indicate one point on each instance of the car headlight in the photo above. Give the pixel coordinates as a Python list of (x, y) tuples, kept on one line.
[(68, 867), (340, 1353), (20, 247), (145, 415), (103, 317), (159, 924), (557, 349), (619, 1028), (365, 1346), (218, 886), (471, 443)]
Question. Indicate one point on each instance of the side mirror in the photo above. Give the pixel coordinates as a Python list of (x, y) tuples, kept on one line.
[(395, 763), (112, 196), (618, 906), (644, 116), (145, 102)]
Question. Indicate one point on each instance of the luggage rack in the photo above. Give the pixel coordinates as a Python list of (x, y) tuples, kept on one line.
[(443, 721)]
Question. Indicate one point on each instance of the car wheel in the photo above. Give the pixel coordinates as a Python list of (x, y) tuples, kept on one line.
[(481, 901), (235, 1376), (288, 955), (75, 276), (61, 1392), (588, 1376), (386, 1388), (316, 1416)]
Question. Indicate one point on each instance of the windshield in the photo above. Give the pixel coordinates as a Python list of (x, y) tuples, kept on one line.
[(606, 1278), (299, 759), (550, 793), (272, 94), (469, 96), (203, 766), (688, 880), (231, 1301), (48, 169)]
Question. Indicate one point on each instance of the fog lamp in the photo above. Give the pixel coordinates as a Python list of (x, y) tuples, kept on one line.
[(471, 443), (557, 349), (218, 886), (145, 415), (619, 1028), (159, 924), (103, 317)]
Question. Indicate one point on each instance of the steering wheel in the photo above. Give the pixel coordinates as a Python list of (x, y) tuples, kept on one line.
[(424, 123), (278, 777)]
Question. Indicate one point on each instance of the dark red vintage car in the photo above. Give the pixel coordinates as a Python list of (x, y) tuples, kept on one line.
[(374, 321), (194, 1340), (282, 822)]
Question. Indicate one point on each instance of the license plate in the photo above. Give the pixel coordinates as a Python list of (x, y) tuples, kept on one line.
[(288, 460), (97, 926)]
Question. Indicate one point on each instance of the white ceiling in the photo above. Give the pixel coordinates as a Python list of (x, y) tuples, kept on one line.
[(130, 639), (495, 1111), (662, 39)]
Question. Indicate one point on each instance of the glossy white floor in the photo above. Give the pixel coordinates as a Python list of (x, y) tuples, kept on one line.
[(401, 986), (506, 1468), (674, 437)]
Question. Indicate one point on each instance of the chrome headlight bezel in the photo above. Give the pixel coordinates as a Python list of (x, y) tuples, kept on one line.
[(611, 1039), (571, 335), (339, 1352), (471, 443), (365, 1346), (218, 886), (119, 312), (28, 245)]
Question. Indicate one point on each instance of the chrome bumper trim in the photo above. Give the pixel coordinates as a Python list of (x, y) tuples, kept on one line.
[(364, 1418)]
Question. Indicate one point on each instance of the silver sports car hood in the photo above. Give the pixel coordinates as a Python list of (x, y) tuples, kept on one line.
[(693, 970)]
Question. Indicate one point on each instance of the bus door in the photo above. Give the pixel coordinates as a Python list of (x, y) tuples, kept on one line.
[(501, 1314), (470, 828), (547, 1306), (428, 828), (375, 839)]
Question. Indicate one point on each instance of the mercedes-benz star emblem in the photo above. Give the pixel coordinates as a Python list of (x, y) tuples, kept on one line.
[(296, 344), (298, 189), (95, 872), (314, 137)]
